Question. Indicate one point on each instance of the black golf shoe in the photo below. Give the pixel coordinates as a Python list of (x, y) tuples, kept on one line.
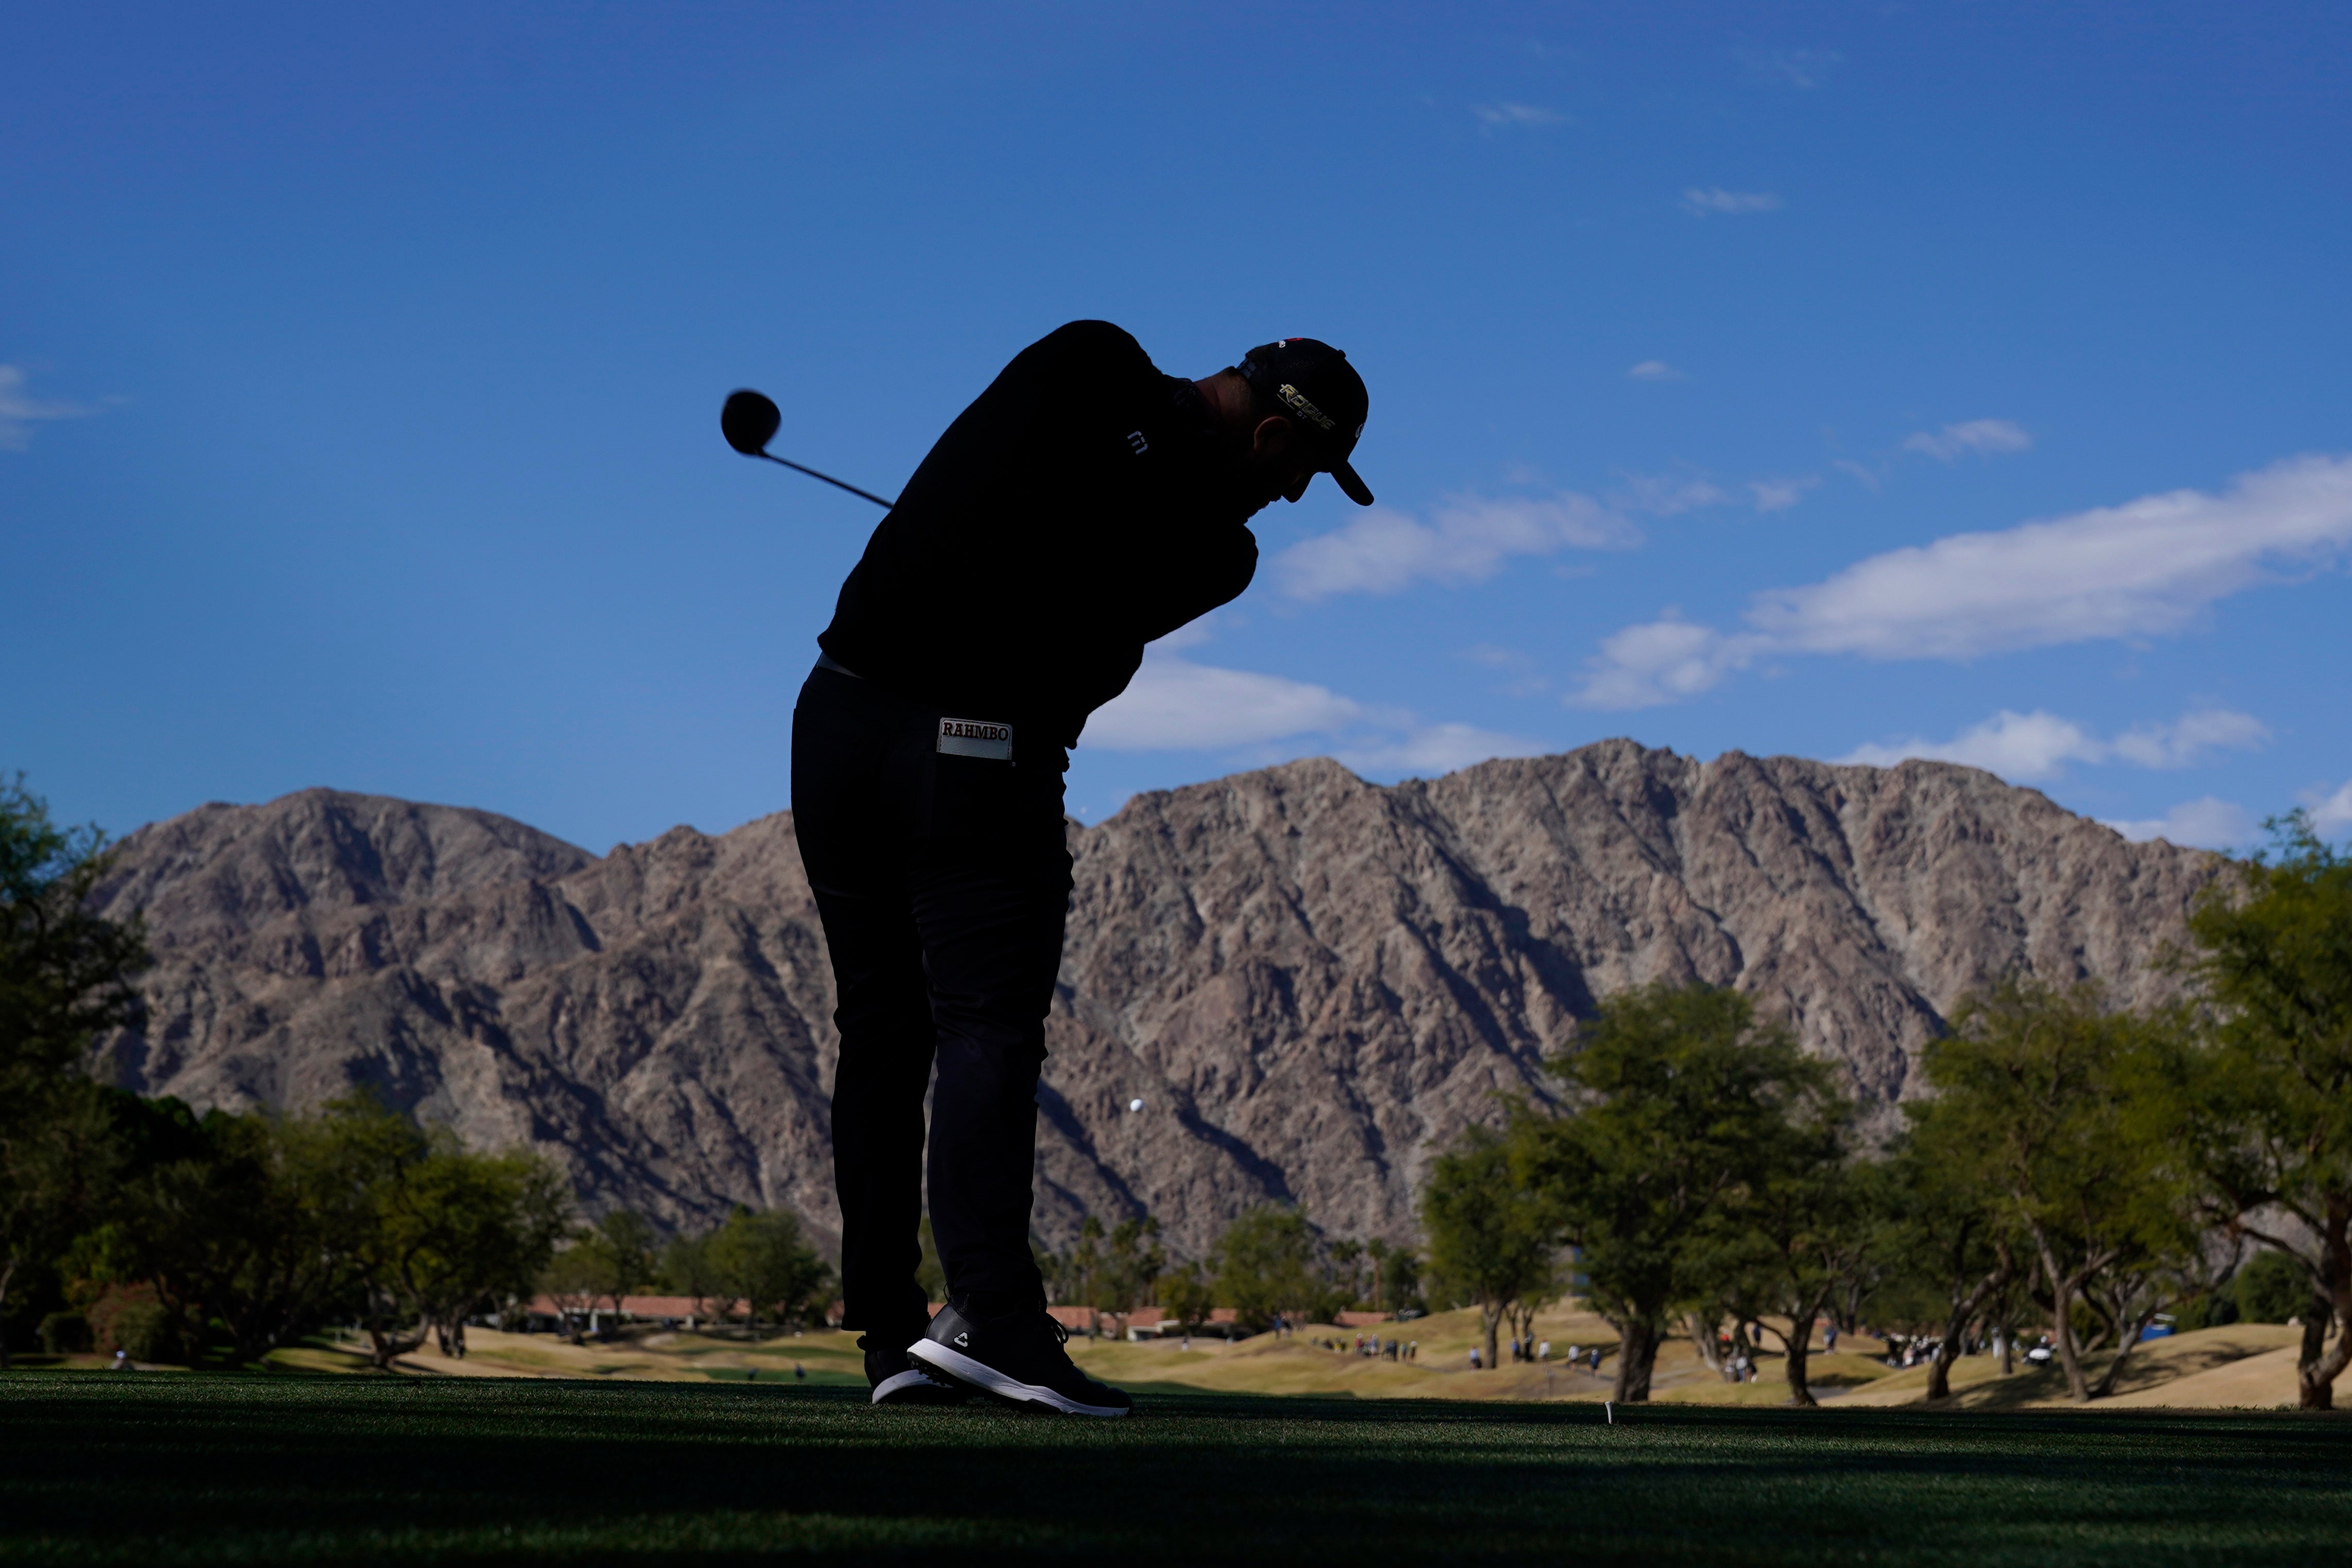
[(1017, 1357), (898, 1381)]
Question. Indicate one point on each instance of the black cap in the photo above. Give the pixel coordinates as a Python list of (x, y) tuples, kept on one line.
[(1326, 399)]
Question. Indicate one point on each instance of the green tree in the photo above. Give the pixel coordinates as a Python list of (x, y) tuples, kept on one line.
[(489, 1224), (252, 1228), (1490, 1231), (628, 1248), (360, 1157), (1950, 1232), (1348, 1263), (686, 1268), (1131, 1263), (107, 1146), (1807, 1229), (1396, 1276), (425, 1230), (611, 1260), (574, 1280), (65, 976), (66, 1179), (1675, 1100), (766, 1264), (2266, 1112), (1265, 1264), (1187, 1295), (2040, 1083), (65, 972), (1070, 1277)]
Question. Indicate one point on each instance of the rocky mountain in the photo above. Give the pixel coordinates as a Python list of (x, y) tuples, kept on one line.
[(1309, 982)]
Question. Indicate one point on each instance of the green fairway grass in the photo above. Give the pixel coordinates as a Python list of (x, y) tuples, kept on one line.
[(218, 1469)]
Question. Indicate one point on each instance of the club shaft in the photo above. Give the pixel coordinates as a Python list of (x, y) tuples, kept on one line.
[(828, 479)]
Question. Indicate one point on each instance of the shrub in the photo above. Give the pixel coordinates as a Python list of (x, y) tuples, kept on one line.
[(2273, 1288), (2210, 1310), (129, 1319), (64, 1333)]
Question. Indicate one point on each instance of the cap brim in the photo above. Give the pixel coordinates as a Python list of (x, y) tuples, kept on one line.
[(1356, 490)]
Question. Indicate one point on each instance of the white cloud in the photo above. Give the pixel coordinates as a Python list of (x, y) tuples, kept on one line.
[(1468, 540), (2023, 747), (1979, 435), (2206, 822), (1437, 749), (1192, 634), (1176, 705), (1668, 495), (1654, 370), (19, 410), (1716, 199), (1516, 114), (2190, 739), (2142, 568), (1470, 537), (2333, 813), (1662, 661), (1779, 495), (2017, 746)]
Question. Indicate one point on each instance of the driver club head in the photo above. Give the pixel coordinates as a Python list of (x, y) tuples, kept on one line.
[(749, 421)]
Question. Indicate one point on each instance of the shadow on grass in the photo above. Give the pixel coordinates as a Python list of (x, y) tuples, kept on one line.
[(207, 1467)]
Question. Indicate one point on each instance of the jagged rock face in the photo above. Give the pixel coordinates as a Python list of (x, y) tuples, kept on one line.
[(1310, 982)]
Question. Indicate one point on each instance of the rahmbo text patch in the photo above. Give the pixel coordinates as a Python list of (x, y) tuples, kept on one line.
[(976, 738)]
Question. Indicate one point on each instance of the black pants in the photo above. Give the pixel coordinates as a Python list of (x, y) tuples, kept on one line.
[(943, 882)]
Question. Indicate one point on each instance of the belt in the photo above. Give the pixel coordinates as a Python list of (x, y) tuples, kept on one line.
[(826, 661)]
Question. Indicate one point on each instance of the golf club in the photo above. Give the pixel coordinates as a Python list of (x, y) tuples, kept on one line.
[(748, 420)]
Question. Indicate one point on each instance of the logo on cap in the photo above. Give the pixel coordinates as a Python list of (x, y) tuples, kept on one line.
[(1297, 399)]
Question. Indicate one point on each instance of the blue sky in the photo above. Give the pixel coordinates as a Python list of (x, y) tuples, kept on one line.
[(1839, 380)]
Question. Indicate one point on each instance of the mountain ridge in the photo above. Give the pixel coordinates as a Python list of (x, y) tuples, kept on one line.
[(1309, 980)]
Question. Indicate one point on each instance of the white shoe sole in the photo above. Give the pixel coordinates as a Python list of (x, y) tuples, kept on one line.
[(898, 1382), (975, 1375)]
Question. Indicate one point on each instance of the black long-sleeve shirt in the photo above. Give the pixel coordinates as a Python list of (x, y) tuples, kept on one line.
[(1067, 517)]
